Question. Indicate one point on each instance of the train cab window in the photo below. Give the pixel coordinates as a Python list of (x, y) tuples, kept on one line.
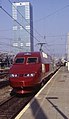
[(19, 60), (32, 60)]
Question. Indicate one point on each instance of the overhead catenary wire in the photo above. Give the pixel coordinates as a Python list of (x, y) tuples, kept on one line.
[(28, 23), (18, 22), (26, 20), (53, 13)]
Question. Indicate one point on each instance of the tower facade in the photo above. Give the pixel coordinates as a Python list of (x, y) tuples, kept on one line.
[(22, 26)]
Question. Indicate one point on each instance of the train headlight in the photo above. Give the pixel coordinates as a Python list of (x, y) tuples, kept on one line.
[(13, 75), (16, 75), (32, 74), (29, 75)]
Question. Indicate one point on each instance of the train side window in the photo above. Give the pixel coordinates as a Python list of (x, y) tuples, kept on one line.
[(32, 60), (19, 60)]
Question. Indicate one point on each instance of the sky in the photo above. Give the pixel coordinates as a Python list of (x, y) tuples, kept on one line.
[(50, 22)]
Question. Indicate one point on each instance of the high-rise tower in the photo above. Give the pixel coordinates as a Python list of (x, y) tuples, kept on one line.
[(22, 26)]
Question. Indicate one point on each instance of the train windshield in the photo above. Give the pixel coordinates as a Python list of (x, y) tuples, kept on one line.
[(32, 60), (19, 60)]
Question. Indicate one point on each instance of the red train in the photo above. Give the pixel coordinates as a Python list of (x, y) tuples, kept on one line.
[(27, 71)]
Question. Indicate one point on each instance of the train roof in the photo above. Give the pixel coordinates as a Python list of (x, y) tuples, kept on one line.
[(34, 54), (45, 57), (21, 54)]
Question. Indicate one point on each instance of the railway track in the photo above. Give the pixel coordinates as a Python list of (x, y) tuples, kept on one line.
[(4, 73), (4, 83), (10, 108)]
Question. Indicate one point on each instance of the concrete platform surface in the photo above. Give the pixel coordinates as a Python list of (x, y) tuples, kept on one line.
[(52, 101)]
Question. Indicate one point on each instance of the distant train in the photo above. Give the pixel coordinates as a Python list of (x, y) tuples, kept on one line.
[(27, 71)]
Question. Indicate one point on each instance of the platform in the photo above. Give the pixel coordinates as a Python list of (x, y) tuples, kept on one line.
[(52, 101)]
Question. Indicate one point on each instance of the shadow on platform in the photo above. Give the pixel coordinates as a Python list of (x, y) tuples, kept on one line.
[(37, 110)]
